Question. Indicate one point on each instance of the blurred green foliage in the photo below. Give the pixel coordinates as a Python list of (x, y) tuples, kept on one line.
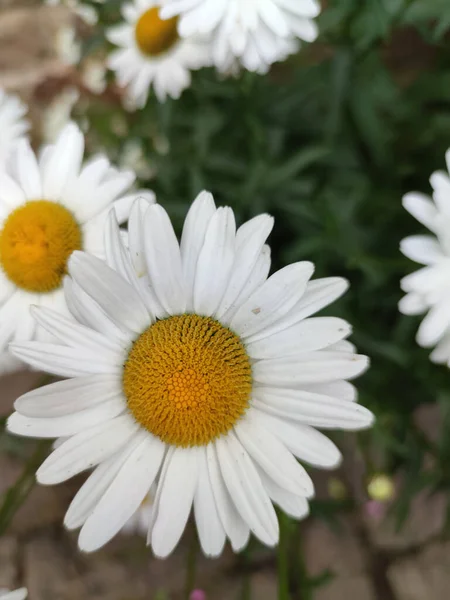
[(328, 143)]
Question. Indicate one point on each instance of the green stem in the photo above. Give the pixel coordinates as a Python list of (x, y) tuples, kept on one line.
[(17, 494), (283, 559), (191, 567)]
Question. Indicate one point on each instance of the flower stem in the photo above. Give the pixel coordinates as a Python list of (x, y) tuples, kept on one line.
[(18, 493), (283, 559), (191, 567)]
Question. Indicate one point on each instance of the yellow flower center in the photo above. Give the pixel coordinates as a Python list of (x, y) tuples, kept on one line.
[(35, 244), (154, 35), (187, 380)]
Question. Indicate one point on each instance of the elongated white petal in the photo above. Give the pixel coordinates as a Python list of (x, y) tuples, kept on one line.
[(86, 450), (293, 505), (276, 297), (273, 457), (175, 502), (163, 259), (312, 409), (234, 525), (125, 494), (113, 293), (245, 488), (209, 526), (70, 396), (215, 262), (61, 360), (192, 239), (306, 336), (423, 249), (250, 239)]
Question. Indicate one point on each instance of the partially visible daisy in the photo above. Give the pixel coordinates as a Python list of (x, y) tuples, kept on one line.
[(428, 289), (191, 367), (140, 521), (13, 125), (49, 208), (152, 54), (58, 113), (19, 594), (256, 33)]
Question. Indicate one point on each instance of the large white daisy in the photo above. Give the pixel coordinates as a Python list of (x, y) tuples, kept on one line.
[(152, 54), (13, 125), (256, 33), (428, 289), (50, 207), (19, 594), (203, 373)]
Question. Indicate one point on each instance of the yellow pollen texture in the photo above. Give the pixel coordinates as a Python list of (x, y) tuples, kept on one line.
[(35, 244), (154, 35), (187, 380)]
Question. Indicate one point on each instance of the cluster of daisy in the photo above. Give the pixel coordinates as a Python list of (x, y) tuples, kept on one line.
[(162, 41), (189, 378)]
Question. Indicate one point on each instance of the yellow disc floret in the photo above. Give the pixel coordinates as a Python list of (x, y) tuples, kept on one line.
[(35, 244), (187, 380), (154, 35)]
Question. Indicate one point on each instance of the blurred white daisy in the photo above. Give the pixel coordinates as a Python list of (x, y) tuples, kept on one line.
[(428, 289), (19, 594), (13, 124), (49, 208), (58, 113), (256, 33), (140, 521), (86, 12), (189, 364), (152, 54)]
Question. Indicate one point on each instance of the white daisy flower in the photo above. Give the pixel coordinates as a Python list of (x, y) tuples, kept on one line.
[(49, 208), (152, 54), (19, 594), (257, 33), (428, 289), (204, 375), (140, 521), (13, 125)]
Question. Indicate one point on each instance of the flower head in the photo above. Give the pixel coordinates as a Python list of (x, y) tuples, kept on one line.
[(50, 207), (152, 54), (428, 289), (191, 367), (13, 125), (256, 33)]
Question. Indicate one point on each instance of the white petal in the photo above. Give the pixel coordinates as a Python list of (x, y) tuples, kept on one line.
[(215, 262), (86, 450), (28, 171), (163, 258), (70, 396), (412, 304), (423, 249), (307, 336), (125, 494), (175, 502), (276, 297), (273, 457), (312, 409), (113, 293), (210, 529), (235, 527), (64, 162), (245, 488), (293, 505), (308, 368), (421, 208), (250, 239), (318, 294), (192, 239), (344, 390), (434, 325)]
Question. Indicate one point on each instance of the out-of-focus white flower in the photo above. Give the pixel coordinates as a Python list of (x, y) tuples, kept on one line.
[(428, 289), (152, 55), (67, 47), (84, 11), (256, 33), (93, 75), (19, 594), (13, 125), (133, 157), (58, 113)]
